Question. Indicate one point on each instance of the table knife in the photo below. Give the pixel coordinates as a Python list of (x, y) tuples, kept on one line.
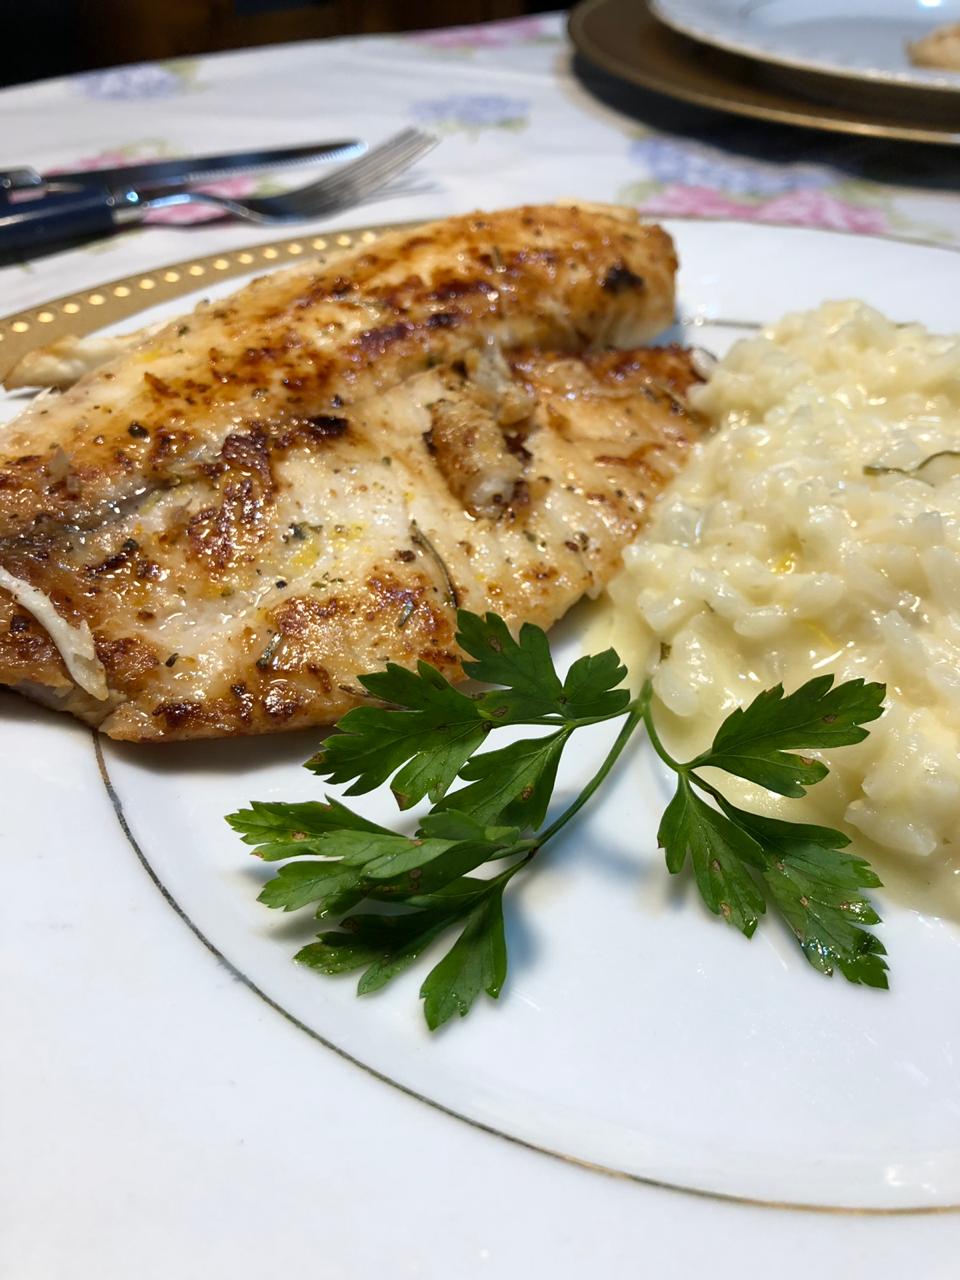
[(184, 171)]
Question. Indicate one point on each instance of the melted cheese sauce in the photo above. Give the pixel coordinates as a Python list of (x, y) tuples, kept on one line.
[(809, 535)]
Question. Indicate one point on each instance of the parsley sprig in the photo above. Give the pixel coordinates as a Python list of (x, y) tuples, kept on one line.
[(389, 896)]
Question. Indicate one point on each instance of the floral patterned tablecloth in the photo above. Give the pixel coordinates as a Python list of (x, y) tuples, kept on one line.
[(521, 119)]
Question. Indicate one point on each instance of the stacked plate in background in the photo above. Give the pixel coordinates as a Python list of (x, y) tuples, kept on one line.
[(843, 65)]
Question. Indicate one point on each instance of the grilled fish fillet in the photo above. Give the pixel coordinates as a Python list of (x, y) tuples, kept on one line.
[(213, 533)]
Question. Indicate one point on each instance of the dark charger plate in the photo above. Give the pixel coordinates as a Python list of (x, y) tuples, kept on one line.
[(623, 38)]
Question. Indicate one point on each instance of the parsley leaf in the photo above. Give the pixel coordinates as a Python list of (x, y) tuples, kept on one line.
[(355, 862), (817, 889), (385, 946), (590, 689), (514, 784), (524, 666), (382, 945), (299, 883), (533, 688), (721, 853), (435, 732), (476, 962), (291, 830), (753, 741)]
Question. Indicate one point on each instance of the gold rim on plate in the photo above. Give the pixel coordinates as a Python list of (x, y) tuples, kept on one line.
[(87, 310), (623, 37)]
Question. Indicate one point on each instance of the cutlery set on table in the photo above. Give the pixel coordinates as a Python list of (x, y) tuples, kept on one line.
[(38, 211)]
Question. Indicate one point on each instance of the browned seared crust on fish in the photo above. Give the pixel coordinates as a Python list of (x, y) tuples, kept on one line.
[(298, 483)]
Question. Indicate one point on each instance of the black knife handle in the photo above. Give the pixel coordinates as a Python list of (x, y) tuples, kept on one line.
[(29, 224)]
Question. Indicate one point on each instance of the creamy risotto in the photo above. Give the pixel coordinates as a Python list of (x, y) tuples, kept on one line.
[(816, 531)]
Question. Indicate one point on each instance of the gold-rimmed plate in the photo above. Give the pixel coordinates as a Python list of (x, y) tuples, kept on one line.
[(624, 38), (645, 1050)]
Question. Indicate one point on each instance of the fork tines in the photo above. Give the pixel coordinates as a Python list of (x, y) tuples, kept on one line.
[(360, 178)]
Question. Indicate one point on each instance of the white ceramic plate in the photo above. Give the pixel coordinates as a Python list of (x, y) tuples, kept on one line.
[(860, 39), (635, 1034)]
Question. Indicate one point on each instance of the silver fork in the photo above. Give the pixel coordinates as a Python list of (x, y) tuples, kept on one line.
[(31, 224), (349, 185)]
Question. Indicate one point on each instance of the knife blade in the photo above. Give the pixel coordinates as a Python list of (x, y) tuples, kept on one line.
[(183, 171)]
